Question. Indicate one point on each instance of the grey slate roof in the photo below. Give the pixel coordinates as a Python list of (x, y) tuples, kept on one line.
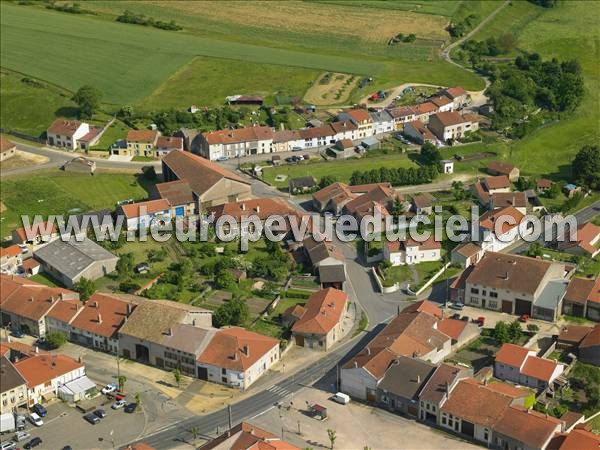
[(10, 377), (332, 273), (406, 376), (72, 257)]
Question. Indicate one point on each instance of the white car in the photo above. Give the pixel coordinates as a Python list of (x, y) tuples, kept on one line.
[(109, 388), (118, 404), (35, 419), (24, 248)]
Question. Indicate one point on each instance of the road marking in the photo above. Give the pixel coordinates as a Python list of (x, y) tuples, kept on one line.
[(279, 391)]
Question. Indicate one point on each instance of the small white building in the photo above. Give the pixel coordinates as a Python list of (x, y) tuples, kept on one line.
[(447, 166), (500, 228), (147, 214), (412, 252)]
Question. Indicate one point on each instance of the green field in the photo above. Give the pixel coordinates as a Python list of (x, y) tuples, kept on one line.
[(55, 192), (207, 81)]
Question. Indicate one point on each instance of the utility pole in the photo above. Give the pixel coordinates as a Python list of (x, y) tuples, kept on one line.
[(229, 414)]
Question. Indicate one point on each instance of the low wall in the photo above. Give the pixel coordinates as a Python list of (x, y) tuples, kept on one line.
[(382, 288), (433, 278)]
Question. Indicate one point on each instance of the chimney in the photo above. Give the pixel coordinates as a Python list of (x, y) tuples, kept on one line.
[(243, 206), (257, 208), (355, 365), (418, 378), (447, 387), (170, 331), (95, 305), (30, 299), (37, 349), (99, 318)]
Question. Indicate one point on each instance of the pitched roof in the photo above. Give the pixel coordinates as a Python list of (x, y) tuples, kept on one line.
[(317, 132), (251, 437), (449, 118), (226, 349), (420, 127), (360, 115), (509, 217), (573, 334), (378, 195), (6, 145), (425, 108), (260, 207), (65, 310), (400, 112), (592, 339), (102, 315), (440, 100), (170, 142), (588, 235), (539, 368), (527, 426), (512, 355), (424, 306), (337, 192), (142, 136), (285, 136), (497, 182), (467, 249), (176, 192), (343, 125), (332, 273), (543, 183), (436, 387), (503, 199), (324, 310), (454, 92), (10, 378), (246, 134), (580, 439), (40, 231), (64, 126), (134, 210), (580, 289), (321, 250), (477, 403), (11, 251), (428, 244), (422, 200), (43, 368), (406, 376), (501, 167), (452, 327), (200, 173)]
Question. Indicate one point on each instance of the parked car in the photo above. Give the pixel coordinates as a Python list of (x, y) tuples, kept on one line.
[(455, 316), (100, 413), (33, 443), (17, 333), (39, 410), (92, 418), (118, 404), (222, 158), (457, 305), (24, 248), (131, 408), (296, 149), (524, 318), (109, 388), (21, 436), (465, 318), (8, 445), (35, 419)]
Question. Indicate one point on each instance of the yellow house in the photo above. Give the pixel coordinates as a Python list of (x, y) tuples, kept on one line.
[(141, 143)]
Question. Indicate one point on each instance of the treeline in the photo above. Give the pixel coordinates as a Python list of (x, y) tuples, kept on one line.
[(544, 3), (462, 27), (530, 83), (140, 19), (71, 8), (491, 46), (397, 177)]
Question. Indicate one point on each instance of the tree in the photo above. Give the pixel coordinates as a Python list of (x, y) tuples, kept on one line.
[(177, 375), (56, 339), (88, 99), (515, 332), (586, 166), (331, 434), (224, 279), (458, 190), (233, 312), (195, 432), (535, 250), (326, 181), (125, 264), (85, 287), (430, 154), (138, 398), (122, 379), (501, 332)]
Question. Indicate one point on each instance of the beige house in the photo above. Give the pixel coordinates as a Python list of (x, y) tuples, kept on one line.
[(450, 125), (13, 387), (501, 168), (211, 184), (362, 119), (320, 324)]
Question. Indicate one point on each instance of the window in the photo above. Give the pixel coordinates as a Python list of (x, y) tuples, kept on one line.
[(443, 420), (494, 294), (223, 371), (493, 304), (474, 291)]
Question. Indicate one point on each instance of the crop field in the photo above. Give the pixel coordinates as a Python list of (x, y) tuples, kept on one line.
[(56, 192), (437, 7), (331, 88), (207, 81)]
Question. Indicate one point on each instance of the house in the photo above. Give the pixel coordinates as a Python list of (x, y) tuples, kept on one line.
[(500, 228), (327, 260), (465, 254), (247, 436), (141, 143), (188, 135), (24, 304), (589, 348), (69, 261), (543, 184), (577, 439), (286, 140), (521, 428), (411, 333), (382, 121), (422, 205), (36, 235), (460, 331), (521, 366), (410, 251), (418, 132), (443, 103), (500, 168), (45, 373), (343, 149), (450, 125), (180, 197), (447, 166), (302, 184), (148, 214), (211, 183), (423, 112), (80, 165), (518, 200), (165, 334), (509, 283), (473, 409), (570, 190), (381, 197), (585, 242), (332, 198), (570, 336), (91, 138), (436, 390), (66, 133), (10, 259), (361, 118), (320, 325), (399, 389), (458, 95), (8, 149), (370, 143), (582, 298), (13, 387), (237, 357), (401, 115), (253, 140), (344, 129), (167, 144), (318, 137)]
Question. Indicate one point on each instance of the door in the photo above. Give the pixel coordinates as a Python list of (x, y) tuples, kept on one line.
[(522, 307), (468, 428), (506, 306), (299, 340), (203, 373)]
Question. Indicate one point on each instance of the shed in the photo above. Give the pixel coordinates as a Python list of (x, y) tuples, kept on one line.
[(302, 184), (447, 166), (370, 143), (77, 389)]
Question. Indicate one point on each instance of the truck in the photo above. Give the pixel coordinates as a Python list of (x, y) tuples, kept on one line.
[(7, 423)]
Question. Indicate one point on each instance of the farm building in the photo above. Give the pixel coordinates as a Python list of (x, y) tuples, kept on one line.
[(80, 165), (7, 149)]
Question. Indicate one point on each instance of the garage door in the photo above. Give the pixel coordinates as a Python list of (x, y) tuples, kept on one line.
[(299, 340), (468, 428), (522, 307), (203, 373), (506, 306)]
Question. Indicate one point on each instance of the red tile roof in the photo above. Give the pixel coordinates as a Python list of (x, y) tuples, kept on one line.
[(592, 339), (425, 108), (497, 182), (450, 118), (543, 183), (420, 127), (429, 244), (11, 251), (456, 91), (527, 426), (226, 348), (512, 355), (424, 306), (41, 231), (176, 192), (260, 207), (64, 127), (452, 327), (360, 115), (588, 235), (501, 167), (400, 112), (539, 368), (43, 368), (142, 136), (102, 315), (247, 134), (324, 310), (134, 210), (170, 143), (509, 215), (580, 439), (6, 145)]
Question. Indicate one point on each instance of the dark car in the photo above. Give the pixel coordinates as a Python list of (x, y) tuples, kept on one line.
[(456, 316), (100, 413), (17, 333), (131, 407), (39, 410), (66, 447), (33, 443), (465, 318), (91, 418)]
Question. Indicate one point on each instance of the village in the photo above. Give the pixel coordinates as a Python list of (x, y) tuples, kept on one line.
[(148, 300)]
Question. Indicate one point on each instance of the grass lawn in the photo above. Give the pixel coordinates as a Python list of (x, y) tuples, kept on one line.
[(118, 130), (342, 169), (207, 81), (44, 279), (31, 107), (57, 192)]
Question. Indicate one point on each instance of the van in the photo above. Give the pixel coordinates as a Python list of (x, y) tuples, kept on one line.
[(341, 398)]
